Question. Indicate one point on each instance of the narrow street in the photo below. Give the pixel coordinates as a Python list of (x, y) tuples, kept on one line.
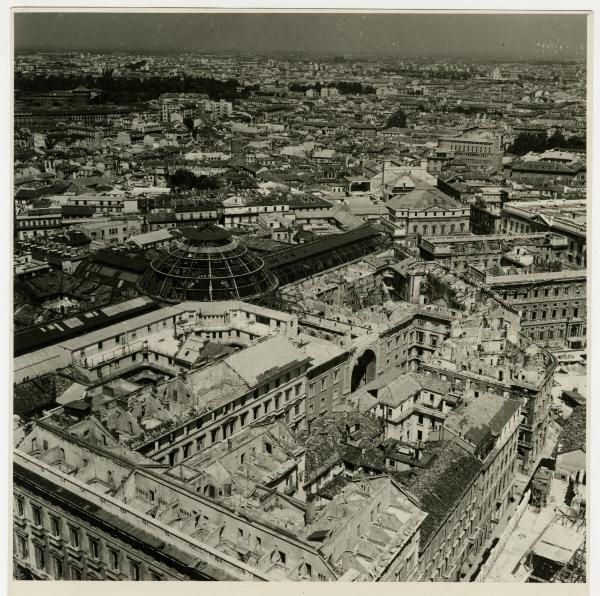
[(530, 527)]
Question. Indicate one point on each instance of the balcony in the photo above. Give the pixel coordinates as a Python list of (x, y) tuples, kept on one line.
[(95, 565), (55, 541), (474, 534), (73, 551), (38, 531), (37, 573)]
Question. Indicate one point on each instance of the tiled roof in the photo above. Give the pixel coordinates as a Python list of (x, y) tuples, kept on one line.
[(324, 443), (440, 486), (405, 386), (573, 433), (257, 361), (423, 198), (482, 418)]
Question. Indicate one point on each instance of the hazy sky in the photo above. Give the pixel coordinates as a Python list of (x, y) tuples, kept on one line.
[(509, 36)]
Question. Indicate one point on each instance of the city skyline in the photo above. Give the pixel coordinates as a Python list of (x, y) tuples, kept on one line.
[(501, 36), (300, 297)]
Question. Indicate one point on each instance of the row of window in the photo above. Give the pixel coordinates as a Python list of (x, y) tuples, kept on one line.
[(38, 223), (558, 333), (533, 315), (434, 229), (565, 290), (470, 149), (312, 386), (55, 563), (219, 433)]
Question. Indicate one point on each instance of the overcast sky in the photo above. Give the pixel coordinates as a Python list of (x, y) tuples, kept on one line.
[(508, 36)]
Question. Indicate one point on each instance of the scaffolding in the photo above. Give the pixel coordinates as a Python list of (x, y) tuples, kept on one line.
[(573, 572)]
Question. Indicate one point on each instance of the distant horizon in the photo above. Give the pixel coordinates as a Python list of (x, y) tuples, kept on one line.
[(307, 54), (499, 37)]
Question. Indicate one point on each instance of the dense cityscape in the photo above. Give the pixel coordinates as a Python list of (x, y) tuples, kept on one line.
[(296, 317)]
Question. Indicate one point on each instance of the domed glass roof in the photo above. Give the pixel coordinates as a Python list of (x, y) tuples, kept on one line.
[(208, 265)]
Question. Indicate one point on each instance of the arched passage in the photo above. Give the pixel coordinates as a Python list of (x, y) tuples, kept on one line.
[(364, 370)]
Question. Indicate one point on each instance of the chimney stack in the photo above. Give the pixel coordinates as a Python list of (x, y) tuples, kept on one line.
[(311, 509)]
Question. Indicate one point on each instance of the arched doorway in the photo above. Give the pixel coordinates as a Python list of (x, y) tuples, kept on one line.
[(364, 370)]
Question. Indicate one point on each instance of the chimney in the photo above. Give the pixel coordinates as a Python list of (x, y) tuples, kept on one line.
[(311, 509)]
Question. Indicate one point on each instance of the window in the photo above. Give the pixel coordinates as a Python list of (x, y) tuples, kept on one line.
[(20, 507), (40, 557), (55, 525), (113, 558), (94, 547), (311, 389), (268, 448), (279, 556), (37, 515), (74, 536), (323, 384), (58, 568), (75, 573), (134, 571), (22, 547)]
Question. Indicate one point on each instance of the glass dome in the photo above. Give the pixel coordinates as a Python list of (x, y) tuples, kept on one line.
[(208, 265)]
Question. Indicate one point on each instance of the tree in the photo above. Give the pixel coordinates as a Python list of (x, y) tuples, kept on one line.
[(553, 266), (556, 140), (526, 142), (575, 142), (398, 119), (183, 179), (189, 122)]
